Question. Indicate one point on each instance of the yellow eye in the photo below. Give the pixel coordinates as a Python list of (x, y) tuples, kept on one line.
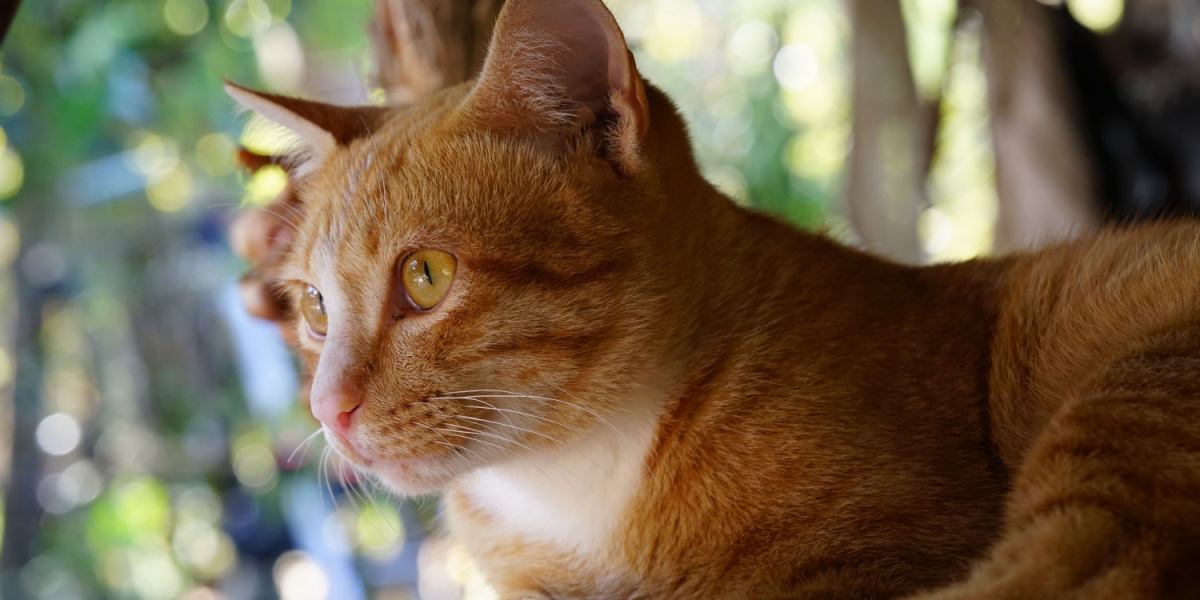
[(312, 306), (426, 275)]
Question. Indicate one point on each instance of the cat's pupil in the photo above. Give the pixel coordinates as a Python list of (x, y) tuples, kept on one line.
[(428, 275), (319, 298)]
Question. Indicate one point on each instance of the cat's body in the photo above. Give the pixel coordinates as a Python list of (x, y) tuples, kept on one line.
[(635, 388), (852, 463), (881, 455)]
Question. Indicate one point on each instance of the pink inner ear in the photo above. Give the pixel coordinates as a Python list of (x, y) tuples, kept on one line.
[(588, 65), (559, 61)]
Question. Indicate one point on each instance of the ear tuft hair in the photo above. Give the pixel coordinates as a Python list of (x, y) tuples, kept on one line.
[(321, 127)]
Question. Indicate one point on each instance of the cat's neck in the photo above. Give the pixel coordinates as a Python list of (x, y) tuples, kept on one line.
[(571, 498), (725, 266)]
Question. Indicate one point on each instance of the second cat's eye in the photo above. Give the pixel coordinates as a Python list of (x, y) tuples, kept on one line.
[(426, 276), (312, 307)]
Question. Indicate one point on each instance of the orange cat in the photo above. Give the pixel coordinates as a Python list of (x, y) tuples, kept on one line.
[(523, 294)]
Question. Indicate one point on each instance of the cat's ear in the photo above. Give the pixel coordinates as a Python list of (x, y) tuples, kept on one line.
[(321, 127), (558, 67)]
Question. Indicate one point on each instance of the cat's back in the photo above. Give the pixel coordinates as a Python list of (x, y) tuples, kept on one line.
[(1067, 311)]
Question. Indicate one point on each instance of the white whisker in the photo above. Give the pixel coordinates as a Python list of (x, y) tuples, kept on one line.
[(502, 438), (518, 428), (492, 394), (510, 411), (303, 445)]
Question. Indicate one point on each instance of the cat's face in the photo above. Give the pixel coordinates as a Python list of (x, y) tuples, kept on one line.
[(536, 314), (475, 271)]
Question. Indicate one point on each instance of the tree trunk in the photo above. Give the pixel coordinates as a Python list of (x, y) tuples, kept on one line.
[(422, 46), (1044, 180), (22, 513), (885, 187)]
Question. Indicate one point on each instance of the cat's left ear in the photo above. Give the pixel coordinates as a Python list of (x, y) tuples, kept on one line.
[(558, 67), (321, 127)]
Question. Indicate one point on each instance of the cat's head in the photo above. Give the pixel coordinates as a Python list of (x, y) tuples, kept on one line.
[(484, 273)]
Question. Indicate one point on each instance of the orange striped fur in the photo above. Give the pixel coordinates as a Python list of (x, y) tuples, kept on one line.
[(636, 388)]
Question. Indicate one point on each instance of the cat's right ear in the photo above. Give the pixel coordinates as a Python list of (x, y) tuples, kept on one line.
[(558, 67), (321, 127)]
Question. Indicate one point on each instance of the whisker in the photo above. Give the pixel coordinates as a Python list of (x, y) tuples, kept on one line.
[(303, 445), (340, 467), (503, 450), (491, 406), (379, 513), (473, 435), (504, 439), (518, 428), (321, 473), (356, 487), (468, 433), (325, 469), (507, 394), (282, 217), (439, 434), (510, 411)]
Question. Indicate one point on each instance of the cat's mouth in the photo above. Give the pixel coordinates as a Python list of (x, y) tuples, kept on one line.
[(406, 476), (346, 449)]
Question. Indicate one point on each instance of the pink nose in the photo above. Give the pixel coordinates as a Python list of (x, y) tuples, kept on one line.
[(335, 408)]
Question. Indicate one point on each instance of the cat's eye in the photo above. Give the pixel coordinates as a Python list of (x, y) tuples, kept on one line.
[(312, 307), (426, 276)]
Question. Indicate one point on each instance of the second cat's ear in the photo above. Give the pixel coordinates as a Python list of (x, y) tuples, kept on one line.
[(557, 67), (321, 127)]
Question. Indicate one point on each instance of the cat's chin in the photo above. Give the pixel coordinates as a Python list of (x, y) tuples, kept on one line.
[(405, 477), (413, 478)]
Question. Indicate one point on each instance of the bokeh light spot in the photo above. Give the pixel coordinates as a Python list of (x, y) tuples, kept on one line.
[(10, 242), (12, 173), (58, 434), (214, 154), (155, 575), (265, 185), (378, 531), (299, 577), (279, 8), (12, 95), (198, 502), (675, 30), (48, 577), (142, 506), (247, 18), (796, 66), (85, 480), (203, 548), (172, 191), (151, 154), (752, 45), (185, 17), (1100, 16), (6, 368), (280, 57), (253, 461), (935, 230)]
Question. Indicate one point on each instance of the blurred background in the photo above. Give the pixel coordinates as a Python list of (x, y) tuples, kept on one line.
[(151, 444)]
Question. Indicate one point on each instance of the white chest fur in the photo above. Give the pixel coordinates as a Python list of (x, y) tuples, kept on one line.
[(572, 498)]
